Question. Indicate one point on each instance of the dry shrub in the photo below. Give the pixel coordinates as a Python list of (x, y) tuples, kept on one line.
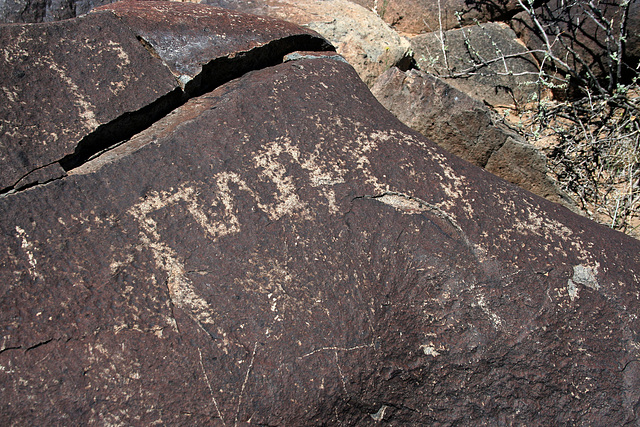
[(590, 128)]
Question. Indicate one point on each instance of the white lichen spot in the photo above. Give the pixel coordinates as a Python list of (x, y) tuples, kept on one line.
[(429, 350), (585, 276)]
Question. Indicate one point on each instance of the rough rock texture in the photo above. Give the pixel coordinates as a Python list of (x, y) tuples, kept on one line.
[(283, 251), (426, 16), (115, 76), (187, 37), (464, 126), (581, 42), (358, 34), (21, 11), (367, 43), (487, 60), (121, 83)]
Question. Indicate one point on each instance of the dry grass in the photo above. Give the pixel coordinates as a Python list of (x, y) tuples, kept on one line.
[(593, 149)]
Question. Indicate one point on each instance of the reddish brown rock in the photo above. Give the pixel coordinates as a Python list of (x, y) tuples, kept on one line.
[(465, 127), (282, 251), (188, 36), (23, 11), (116, 76), (426, 16)]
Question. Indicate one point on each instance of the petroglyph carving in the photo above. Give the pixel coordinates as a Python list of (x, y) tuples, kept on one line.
[(181, 290)]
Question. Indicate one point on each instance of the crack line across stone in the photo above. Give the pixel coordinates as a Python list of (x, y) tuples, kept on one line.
[(214, 74)]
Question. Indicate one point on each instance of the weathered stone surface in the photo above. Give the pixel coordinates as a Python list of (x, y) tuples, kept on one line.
[(358, 34), (464, 127), (426, 16), (22, 11), (188, 36), (119, 86), (284, 251), (487, 61)]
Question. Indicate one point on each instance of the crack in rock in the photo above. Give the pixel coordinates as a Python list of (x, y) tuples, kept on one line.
[(412, 205), (214, 74)]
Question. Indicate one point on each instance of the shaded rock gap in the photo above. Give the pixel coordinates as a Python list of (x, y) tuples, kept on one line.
[(39, 344), (24, 182), (213, 75), (112, 134), (10, 348)]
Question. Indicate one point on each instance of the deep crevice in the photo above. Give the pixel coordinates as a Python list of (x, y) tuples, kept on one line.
[(122, 128), (213, 75), (9, 348), (20, 183), (38, 344)]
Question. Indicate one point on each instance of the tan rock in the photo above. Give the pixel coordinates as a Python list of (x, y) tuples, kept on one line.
[(358, 34), (485, 61)]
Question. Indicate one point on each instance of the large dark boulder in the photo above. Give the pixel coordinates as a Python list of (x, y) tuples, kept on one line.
[(283, 251)]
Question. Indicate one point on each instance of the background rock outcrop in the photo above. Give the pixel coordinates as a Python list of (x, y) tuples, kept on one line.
[(585, 37), (465, 127), (426, 16), (358, 34), (282, 250), (484, 61)]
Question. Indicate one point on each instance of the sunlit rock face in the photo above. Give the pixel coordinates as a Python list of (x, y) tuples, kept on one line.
[(276, 248)]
